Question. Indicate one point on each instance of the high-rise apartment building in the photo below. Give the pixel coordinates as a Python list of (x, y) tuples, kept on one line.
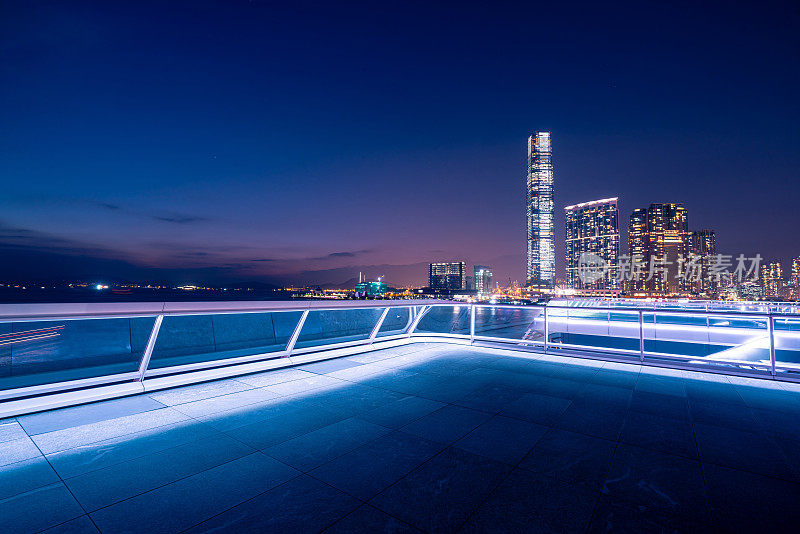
[(772, 280), (541, 266), (483, 279), (592, 245), (447, 276), (659, 241), (749, 290), (796, 277), (704, 252)]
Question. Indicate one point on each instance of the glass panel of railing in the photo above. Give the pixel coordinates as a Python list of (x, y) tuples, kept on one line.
[(326, 327), (445, 320), (594, 329), (524, 323), (396, 322), (708, 339), (45, 352), (787, 344), (187, 339), (557, 321)]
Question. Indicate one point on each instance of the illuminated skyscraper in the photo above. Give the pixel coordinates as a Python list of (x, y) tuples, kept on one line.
[(541, 268), (772, 280), (592, 232), (704, 247), (637, 248), (450, 276), (659, 237), (483, 279), (796, 277)]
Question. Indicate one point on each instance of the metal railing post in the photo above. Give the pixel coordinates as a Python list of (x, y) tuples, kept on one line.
[(472, 323), (546, 329), (292, 340), (148, 349), (641, 337), (413, 326), (771, 328), (378, 325)]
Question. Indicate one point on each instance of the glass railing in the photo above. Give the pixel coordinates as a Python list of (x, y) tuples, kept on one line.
[(447, 319), (39, 354), (191, 339), (786, 334), (51, 348), (524, 324), (755, 339), (594, 329), (329, 327), (398, 320)]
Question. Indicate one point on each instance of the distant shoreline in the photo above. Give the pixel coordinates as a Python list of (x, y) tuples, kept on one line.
[(84, 294)]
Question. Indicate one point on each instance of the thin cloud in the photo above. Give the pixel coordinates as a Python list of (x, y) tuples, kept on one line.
[(107, 205), (179, 219), (349, 254)]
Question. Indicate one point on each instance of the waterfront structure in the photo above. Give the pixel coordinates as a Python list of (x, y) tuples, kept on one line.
[(541, 268), (370, 289), (592, 245), (772, 280), (483, 279), (704, 252), (447, 276), (659, 242)]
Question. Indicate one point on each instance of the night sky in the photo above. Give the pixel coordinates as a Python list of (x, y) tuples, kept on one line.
[(288, 142)]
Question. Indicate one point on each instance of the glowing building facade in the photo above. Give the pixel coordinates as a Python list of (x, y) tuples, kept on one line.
[(704, 252), (483, 279), (796, 277), (447, 276), (659, 241), (541, 268), (772, 280), (592, 233)]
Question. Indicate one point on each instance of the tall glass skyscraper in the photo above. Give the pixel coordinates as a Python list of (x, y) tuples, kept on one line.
[(483, 279), (704, 247), (592, 233), (541, 254)]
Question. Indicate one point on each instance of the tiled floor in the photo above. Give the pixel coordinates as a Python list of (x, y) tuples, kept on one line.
[(425, 437)]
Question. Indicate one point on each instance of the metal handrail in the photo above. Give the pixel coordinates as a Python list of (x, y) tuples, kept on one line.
[(103, 310)]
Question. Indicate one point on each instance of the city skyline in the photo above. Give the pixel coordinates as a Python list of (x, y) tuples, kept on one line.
[(130, 154)]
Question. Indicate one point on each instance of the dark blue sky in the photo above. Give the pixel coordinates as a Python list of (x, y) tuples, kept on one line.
[(287, 142)]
